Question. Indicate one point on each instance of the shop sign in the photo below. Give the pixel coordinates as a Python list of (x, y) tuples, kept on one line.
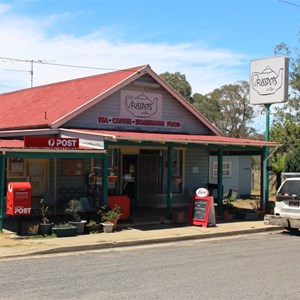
[(47, 142), (141, 105), (140, 109), (269, 80), (138, 122)]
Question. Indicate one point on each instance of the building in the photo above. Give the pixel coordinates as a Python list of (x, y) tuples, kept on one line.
[(123, 132)]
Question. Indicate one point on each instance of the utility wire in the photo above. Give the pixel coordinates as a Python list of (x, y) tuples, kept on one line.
[(55, 64), (287, 2), (44, 62)]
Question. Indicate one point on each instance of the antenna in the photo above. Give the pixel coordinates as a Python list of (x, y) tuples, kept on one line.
[(31, 64)]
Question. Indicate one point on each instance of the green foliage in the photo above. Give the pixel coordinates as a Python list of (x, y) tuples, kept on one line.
[(73, 209), (294, 66), (178, 82), (228, 109), (108, 214), (44, 210), (63, 225), (277, 163), (285, 128), (293, 161)]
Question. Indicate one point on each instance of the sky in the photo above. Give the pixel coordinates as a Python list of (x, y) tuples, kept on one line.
[(211, 42)]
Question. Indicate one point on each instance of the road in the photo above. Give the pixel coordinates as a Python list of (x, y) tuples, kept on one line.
[(257, 266)]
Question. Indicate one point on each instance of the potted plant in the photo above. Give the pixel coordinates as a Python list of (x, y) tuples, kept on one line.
[(228, 208), (74, 208), (109, 217), (64, 230), (92, 226), (45, 227), (112, 177)]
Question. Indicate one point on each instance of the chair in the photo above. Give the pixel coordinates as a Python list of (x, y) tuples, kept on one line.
[(86, 205), (231, 196), (49, 201)]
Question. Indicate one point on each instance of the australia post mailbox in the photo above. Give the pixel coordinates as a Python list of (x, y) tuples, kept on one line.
[(18, 198)]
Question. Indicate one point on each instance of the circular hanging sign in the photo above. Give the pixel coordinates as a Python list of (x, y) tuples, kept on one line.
[(202, 192)]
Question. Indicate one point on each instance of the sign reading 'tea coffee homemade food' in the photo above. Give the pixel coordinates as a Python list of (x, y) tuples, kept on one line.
[(269, 80), (139, 109)]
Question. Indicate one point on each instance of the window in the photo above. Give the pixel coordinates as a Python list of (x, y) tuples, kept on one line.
[(72, 167), (227, 169), (16, 167)]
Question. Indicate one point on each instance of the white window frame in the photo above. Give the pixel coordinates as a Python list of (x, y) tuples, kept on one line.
[(227, 169)]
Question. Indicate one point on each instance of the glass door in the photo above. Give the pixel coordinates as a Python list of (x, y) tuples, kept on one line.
[(129, 179)]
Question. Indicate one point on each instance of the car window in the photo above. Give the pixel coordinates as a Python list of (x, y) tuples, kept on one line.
[(290, 187)]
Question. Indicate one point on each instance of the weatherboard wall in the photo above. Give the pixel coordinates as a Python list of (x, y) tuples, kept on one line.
[(172, 110)]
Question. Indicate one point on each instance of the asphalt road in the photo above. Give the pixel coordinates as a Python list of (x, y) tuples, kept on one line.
[(257, 266)]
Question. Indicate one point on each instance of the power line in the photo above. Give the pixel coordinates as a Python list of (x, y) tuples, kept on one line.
[(44, 62), (287, 2)]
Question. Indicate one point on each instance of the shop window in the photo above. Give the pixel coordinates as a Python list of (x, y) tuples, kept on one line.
[(16, 167), (72, 167), (227, 169), (113, 171)]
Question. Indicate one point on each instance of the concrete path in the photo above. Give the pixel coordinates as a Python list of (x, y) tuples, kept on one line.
[(14, 246)]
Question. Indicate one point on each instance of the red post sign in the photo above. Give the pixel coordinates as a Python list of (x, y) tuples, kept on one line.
[(18, 198), (47, 142)]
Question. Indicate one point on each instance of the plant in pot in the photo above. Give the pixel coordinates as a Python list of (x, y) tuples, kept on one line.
[(92, 226), (109, 217), (45, 227), (228, 208), (74, 208), (64, 230), (112, 177)]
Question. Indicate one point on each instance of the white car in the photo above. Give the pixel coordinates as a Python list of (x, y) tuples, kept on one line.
[(287, 205)]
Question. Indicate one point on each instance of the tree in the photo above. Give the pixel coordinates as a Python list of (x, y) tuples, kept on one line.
[(277, 162), (286, 123), (228, 109), (178, 82), (292, 163)]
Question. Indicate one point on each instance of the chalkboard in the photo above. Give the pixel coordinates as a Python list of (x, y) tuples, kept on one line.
[(200, 207), (201, 210)]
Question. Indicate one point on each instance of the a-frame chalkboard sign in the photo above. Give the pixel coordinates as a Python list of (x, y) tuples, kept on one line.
[(199, 210)]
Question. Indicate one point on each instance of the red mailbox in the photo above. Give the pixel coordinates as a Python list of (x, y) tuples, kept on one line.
[(18, 198)]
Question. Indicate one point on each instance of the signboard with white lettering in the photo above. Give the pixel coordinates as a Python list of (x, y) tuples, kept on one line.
[(269, 80), (47, 142)]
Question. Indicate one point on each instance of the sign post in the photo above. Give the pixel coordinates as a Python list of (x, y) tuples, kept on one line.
[(268, 85)]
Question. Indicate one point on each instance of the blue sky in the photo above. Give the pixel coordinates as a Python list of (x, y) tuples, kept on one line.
[(211, 42)]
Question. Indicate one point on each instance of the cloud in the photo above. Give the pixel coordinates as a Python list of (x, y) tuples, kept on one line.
[(32, 39)]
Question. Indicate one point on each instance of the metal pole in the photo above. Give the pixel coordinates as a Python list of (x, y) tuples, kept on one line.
[(265, 196), (105, 178), (220, 181), (2, 188), (170, 183)]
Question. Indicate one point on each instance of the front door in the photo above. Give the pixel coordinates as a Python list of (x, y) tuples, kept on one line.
[(129, 177), (148, 180), (37, 175)]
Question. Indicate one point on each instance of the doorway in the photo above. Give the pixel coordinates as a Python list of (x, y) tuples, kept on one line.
[(37, 175), (129, 177), (148, 180)]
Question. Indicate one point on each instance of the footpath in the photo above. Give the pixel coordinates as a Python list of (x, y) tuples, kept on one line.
[(12, 245)]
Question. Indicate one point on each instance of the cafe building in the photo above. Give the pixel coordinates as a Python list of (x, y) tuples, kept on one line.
[(125, 132)]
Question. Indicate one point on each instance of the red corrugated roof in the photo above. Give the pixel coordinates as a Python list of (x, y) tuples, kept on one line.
[(43, 105), (179, 138)]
